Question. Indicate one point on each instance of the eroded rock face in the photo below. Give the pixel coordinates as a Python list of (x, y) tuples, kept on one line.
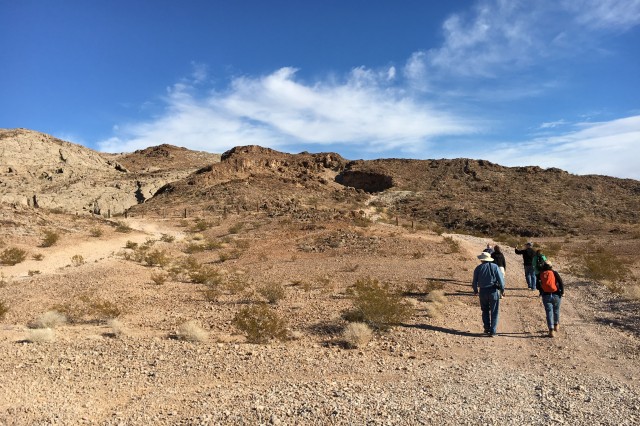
[(41, 171)]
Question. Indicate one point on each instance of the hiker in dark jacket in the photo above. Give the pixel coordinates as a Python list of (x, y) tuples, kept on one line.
[(500, 261), (551, 289), (527, 257)]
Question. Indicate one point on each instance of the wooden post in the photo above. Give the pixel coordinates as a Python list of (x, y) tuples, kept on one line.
[(185, 213), (108, 213), (396, 220)]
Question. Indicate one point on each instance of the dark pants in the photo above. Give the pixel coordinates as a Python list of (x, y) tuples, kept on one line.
[(490, 305)]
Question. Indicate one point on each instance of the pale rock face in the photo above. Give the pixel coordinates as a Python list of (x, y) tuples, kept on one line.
[(41, 171)]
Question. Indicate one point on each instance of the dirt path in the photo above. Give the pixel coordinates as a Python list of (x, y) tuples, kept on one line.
[(59, 256), (581, 344)]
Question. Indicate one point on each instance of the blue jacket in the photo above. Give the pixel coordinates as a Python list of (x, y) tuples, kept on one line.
[(487, 277)]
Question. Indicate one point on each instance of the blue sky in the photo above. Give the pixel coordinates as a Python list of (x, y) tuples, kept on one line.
[(553, 83)]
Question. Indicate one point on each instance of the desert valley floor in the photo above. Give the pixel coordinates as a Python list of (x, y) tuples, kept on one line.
[(435, 368)]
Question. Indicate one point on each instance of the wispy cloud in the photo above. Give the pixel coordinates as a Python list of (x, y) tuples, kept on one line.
[(277, 110), (608, 148), (501, 37)]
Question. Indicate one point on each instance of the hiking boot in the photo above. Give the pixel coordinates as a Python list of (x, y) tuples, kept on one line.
[(551, 332), (556, 327)]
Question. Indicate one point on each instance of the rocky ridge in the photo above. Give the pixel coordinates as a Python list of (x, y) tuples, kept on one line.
[(38, 170)]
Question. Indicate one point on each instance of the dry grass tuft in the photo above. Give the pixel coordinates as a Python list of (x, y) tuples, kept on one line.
[(436, 296), (191, 332), (50, 319), (357, 334), (41, 335), (117, 328)]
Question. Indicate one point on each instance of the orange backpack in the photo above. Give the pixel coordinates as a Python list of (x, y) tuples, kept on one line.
[(548, 282)]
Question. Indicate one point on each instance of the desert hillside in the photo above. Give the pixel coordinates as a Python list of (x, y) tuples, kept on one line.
[(260, 287)]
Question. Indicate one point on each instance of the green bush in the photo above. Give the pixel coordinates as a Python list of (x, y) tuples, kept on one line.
[(49, 239), (260, 323), (12, 256), (131, 245), (377, 305), (166, 238), (87, 309), (77, 260), (604, 266)]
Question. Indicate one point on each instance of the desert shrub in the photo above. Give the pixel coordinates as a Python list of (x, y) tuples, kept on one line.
[(4, 309), (452, 244), (236, 284), (95, 232), (123, 228), (38, 257), (377, 305), (50, 319), (159, 278), (41, 335), (200, 225), (33, 272), (157, 258), (236, 228), (192, 248), (212, 293), (166, 238), (552, 249), (87, 309), (131, 245), (273, 292), (357, 334), (604, 266), (49, 238), (191, 332), (229, 255), (205, 274), (4, 281), (260, 323), (77, 260), (12, 256)]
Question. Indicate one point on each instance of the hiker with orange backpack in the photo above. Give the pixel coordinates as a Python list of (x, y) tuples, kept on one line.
[(551, 289)]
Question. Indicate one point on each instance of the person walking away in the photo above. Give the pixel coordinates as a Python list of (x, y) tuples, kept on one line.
[(488, 282), (538, 262), (551, 290), (488, 249), (527, 257), (501, 262)]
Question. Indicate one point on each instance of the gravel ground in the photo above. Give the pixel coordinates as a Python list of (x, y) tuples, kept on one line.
[(435, 369)]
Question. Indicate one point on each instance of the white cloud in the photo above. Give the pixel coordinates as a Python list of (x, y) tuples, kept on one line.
[(608, 148), (276, 110), (616, 15), (502, 37)]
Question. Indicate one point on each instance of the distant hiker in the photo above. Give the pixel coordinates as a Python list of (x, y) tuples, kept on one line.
[(498, 259), (551, 289), (488, 249), (538, 262), (488, 283), (527, 257)]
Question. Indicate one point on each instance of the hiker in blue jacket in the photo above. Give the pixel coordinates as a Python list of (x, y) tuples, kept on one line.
[(488, 283)]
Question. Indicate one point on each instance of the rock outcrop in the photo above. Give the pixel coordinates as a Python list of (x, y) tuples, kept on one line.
[(41, 171)]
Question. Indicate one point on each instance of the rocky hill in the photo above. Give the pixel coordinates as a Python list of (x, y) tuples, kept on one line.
[(39, 170), (459, 195)]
